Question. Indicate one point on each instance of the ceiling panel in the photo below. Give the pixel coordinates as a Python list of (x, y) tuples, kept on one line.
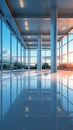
[(30, 6), (37, 25)]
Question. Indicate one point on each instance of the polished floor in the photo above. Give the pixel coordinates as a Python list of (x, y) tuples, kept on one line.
[(36, 101)]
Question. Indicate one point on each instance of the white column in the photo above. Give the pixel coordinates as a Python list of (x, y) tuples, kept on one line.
[(53, 39), (39, 56)]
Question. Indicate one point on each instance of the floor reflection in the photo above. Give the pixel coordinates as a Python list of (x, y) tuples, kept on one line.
[(41, 101)]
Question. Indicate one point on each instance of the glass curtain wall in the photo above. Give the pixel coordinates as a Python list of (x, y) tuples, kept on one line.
[(33, 58), (14, 52), (5, 46), (58, 51), (46, 64), (46, 59), (65, 52), (19, 55), (70, 50), (11, 49)]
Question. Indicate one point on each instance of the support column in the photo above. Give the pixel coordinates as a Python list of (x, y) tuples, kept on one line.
[(21, 56), (67, 51), (39, 56), (10, 50), (1, 47), (53, 39), (17, 55), (25, 58), (29, 59), (59, 56)]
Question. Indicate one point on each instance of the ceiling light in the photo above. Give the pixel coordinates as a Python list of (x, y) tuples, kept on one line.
[(26, 24), (26, 27), (21, 3)]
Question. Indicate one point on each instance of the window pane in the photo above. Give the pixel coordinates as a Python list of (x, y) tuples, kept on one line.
[(33, 52), (70, 57), (70, 46), (14, 42), (70, 37), (5, 46), (65, 49), (64, 40), (48, 53), (65, 59), (57, 45), (22, 55)]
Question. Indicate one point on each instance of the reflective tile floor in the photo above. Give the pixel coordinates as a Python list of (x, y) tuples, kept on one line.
[(36, 101)]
